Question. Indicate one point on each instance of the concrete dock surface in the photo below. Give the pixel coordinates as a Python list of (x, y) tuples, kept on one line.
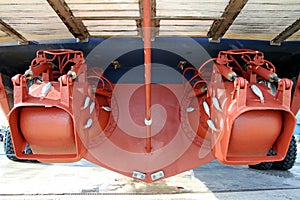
[(84, 180)]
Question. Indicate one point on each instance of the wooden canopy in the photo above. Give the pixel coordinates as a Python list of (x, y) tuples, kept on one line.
[(34, 20)]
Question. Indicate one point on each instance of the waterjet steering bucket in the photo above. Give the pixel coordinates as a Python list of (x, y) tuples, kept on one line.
[(253, 122)]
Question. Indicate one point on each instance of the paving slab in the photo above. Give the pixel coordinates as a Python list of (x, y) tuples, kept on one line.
[(84, 180)]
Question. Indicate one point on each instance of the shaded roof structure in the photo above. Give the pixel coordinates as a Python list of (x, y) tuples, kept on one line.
[(34, 20)]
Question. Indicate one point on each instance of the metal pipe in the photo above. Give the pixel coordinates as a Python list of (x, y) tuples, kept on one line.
[(147, 63), (295, 106)]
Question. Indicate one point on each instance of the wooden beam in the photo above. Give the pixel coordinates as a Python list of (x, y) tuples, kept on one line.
[(12, 32), (155, 22), (75, 26), (289, 31), (219, 27), (139, 21)]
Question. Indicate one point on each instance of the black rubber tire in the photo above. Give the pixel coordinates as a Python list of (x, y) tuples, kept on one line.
[(1, 137), (290, 158), (9, 149), (264, 165)]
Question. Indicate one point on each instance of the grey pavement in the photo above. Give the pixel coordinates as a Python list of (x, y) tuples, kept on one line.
[(84, 180)]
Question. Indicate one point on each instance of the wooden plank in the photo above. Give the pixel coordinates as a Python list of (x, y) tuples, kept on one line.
[(34, 23), (184, 35), (251, 36), (195, 6), (20, 7), (283, 6), (101, 6), (186, 22), (102, 1), (87, 3), (45, 36), (137, 18), (112, 31), (121, 27), (181, 31), (91, 23), (7, 39), (39, 28), (16, 2), (110, 13), (94, 18), (274, 2), (33, 19), (290, 30), (115, 36), (24, 14), (190, 8), (219, 27), (200, 18), (12, 32), (75, 26), (190, 1), (109, 26)]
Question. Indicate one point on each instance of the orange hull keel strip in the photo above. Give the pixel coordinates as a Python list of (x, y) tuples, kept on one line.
[(147, 63), (66, 112)]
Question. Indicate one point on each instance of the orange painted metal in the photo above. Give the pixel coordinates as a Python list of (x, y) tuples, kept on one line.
[(43, 114), (252, 127), (174, 147), (43, 141), (147, 62), (252, 120), (75, 112)]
